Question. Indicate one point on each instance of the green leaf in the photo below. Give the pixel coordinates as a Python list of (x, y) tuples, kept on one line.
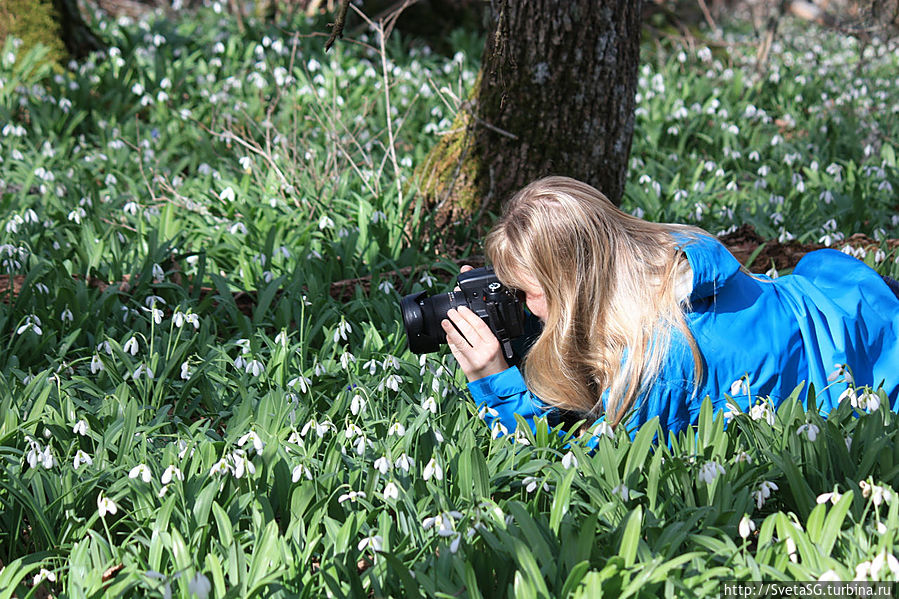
[(630, 539)]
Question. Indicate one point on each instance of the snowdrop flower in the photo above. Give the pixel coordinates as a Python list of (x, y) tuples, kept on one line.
[(200, 586), (96, 364), (841, 370), (80, 428), (829, 576), (432, 470), (346, 358), (497, 429), (430, 405), (105, 505), (396, 429), (131, 346), (171, 473), (141, 370), (227, 195), (763, 493), (391, 491), (141, 471), (382, 465), (186, 371), (33, 323), (351, 496), (357, 405), (622, 491), (569, 461), (746, 526), (300, 471), (427, 279), (325, 223), (375, 542), (320, 428), (877, 493), (252, 437), (403, 462), (810, 430), (43, 575), (352, 431), (709, 471), (742, 457), (342, 329), (220, 467), (255, 367), (604, 428), (833, 497), (67, 315), (392, 382), (81, 458), (762, 412), (241, 464), (302, 381)]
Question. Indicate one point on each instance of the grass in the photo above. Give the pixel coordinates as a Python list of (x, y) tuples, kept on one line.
[(187, 408)]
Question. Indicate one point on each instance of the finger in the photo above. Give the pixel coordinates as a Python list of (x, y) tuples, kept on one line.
[(475, 324), (454, 335), (466, 268)]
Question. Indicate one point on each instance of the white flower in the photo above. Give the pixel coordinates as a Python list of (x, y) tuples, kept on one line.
[(430, 404), (833, 497), (810, 430), (709, 471), (253, 438), (80, 428), (829, 576), (531, 483), (404, 462), (497, 429), (382, 464), (255, 367), (375, 542), (763, 493), (142, 471), (105, 505), (241, 464), (841, 370), (569, 461), (171, 473), (351, 496), (325, 223), (66, 315), (227, 195), (131, 346), (186, 371), (300, 471), (200, 586), (96, 364), (391, 491), (762, 412), (396, 429), (746, 526), (43, 575), (622, 491), (877, 493), (432, 470), (357, 405), (81, 458)]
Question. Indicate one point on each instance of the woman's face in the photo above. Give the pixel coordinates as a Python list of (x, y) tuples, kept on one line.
[(534, 297)]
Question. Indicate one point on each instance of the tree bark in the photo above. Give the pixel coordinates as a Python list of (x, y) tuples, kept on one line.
[(555, 97), (76, 35)]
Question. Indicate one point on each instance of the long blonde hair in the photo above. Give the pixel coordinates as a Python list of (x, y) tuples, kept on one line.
[(609, 282)]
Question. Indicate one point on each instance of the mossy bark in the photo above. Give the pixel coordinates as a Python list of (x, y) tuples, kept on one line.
[(555, 97), (56, 24)]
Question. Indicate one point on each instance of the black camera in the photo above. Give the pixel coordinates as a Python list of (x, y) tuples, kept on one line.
[(501, 308)]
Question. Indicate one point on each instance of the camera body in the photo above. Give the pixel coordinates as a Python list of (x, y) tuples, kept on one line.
[(480, 291)]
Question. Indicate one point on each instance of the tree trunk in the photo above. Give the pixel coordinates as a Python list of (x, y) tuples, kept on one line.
[(76, 35), (555, 96)]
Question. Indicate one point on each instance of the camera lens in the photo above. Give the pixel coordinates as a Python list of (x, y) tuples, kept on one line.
[(422, 316)]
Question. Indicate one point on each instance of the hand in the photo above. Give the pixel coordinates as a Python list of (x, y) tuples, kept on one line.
[(476, 349)]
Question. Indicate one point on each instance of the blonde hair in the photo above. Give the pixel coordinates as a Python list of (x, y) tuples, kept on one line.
[(609, 283)]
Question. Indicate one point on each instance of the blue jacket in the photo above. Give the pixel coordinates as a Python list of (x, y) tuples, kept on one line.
[(759, 337)]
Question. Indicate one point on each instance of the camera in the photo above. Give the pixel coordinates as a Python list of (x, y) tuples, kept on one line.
[(479, 290)]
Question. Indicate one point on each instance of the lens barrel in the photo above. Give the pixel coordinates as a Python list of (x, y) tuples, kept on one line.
[(422, 316)]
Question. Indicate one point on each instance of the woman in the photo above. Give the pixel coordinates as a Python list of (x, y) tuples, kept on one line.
[(645, 319)]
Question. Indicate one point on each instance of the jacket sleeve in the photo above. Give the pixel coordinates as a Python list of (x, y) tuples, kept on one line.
[(505, 394)]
